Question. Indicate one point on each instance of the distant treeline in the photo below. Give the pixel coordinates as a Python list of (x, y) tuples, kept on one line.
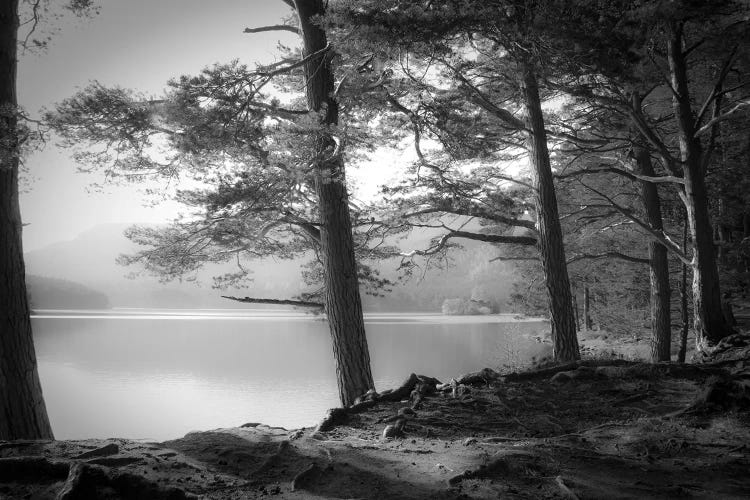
[(52, 293)]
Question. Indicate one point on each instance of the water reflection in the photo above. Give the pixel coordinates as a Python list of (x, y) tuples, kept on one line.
[(166, 374)]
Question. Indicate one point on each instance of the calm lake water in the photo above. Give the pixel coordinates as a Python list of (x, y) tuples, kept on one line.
[(160, 374)]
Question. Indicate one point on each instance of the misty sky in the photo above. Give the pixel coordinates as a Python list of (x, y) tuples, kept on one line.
[(138, 44)]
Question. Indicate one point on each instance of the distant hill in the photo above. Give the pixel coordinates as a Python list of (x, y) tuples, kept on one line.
[(89, 260), (52, 293)]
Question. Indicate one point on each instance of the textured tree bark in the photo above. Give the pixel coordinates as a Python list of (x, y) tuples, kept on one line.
[(661, 322), (722, 236), (573, 294), (587, 324), (342, 299), (22, 411), (564, 338), (709, 322), (684, 316)]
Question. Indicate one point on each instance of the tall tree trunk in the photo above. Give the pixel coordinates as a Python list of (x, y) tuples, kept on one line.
[(22, 411), (723, 238), (709, 322), (684, 316), (586, 308), (342, 299), (564, 339), (574, 294), (661, 322)]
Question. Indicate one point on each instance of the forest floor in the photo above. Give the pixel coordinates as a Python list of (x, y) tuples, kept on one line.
[(602, 428)]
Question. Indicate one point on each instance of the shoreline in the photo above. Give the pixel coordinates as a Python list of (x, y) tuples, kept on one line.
[(165, 313), (591, 429)]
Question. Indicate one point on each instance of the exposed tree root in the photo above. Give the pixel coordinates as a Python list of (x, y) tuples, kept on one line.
[(567, 492), (401, 392), (616, 368), (552, 370), (536, 440), (32, 468), (307, 475), (72, 485), (720, 393), (502, 466), (86, 481), (334, 417), (484, 376), (414, 388)]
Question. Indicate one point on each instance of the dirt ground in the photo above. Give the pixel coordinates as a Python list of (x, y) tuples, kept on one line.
[(594, 429)]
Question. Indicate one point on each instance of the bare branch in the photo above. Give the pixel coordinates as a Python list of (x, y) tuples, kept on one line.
[(297, 64), (624, 173), (608, 255), (502, 258), (34, 23), (417, 134), (653, 138), (718, 85), (512, 179), (635, 115), (475, 212), (281, 302), (442, 243), (276, 27), (493, 238), (656, 235), (707, 127), (697, 44)]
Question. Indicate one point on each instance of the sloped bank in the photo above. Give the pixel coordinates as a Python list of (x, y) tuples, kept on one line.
[(591, 429)]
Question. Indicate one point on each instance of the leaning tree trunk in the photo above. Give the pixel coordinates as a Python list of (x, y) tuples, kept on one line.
[(22, 411), (342, 299), (709, 322), (661, 322), (565, 341)]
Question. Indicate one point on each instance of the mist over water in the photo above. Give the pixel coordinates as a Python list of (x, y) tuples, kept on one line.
[(160, 374)]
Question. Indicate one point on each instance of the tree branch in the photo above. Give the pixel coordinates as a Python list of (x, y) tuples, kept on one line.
[(718, 85), (502, 258), (624, 173), (512, 179), (653, 138), (299, 63), (276, 27), (493, 238), (475, 212), (707, 127), (635, 115), (658, 236), (310, 228), (488, 238), (281, 302), (605, 255)]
